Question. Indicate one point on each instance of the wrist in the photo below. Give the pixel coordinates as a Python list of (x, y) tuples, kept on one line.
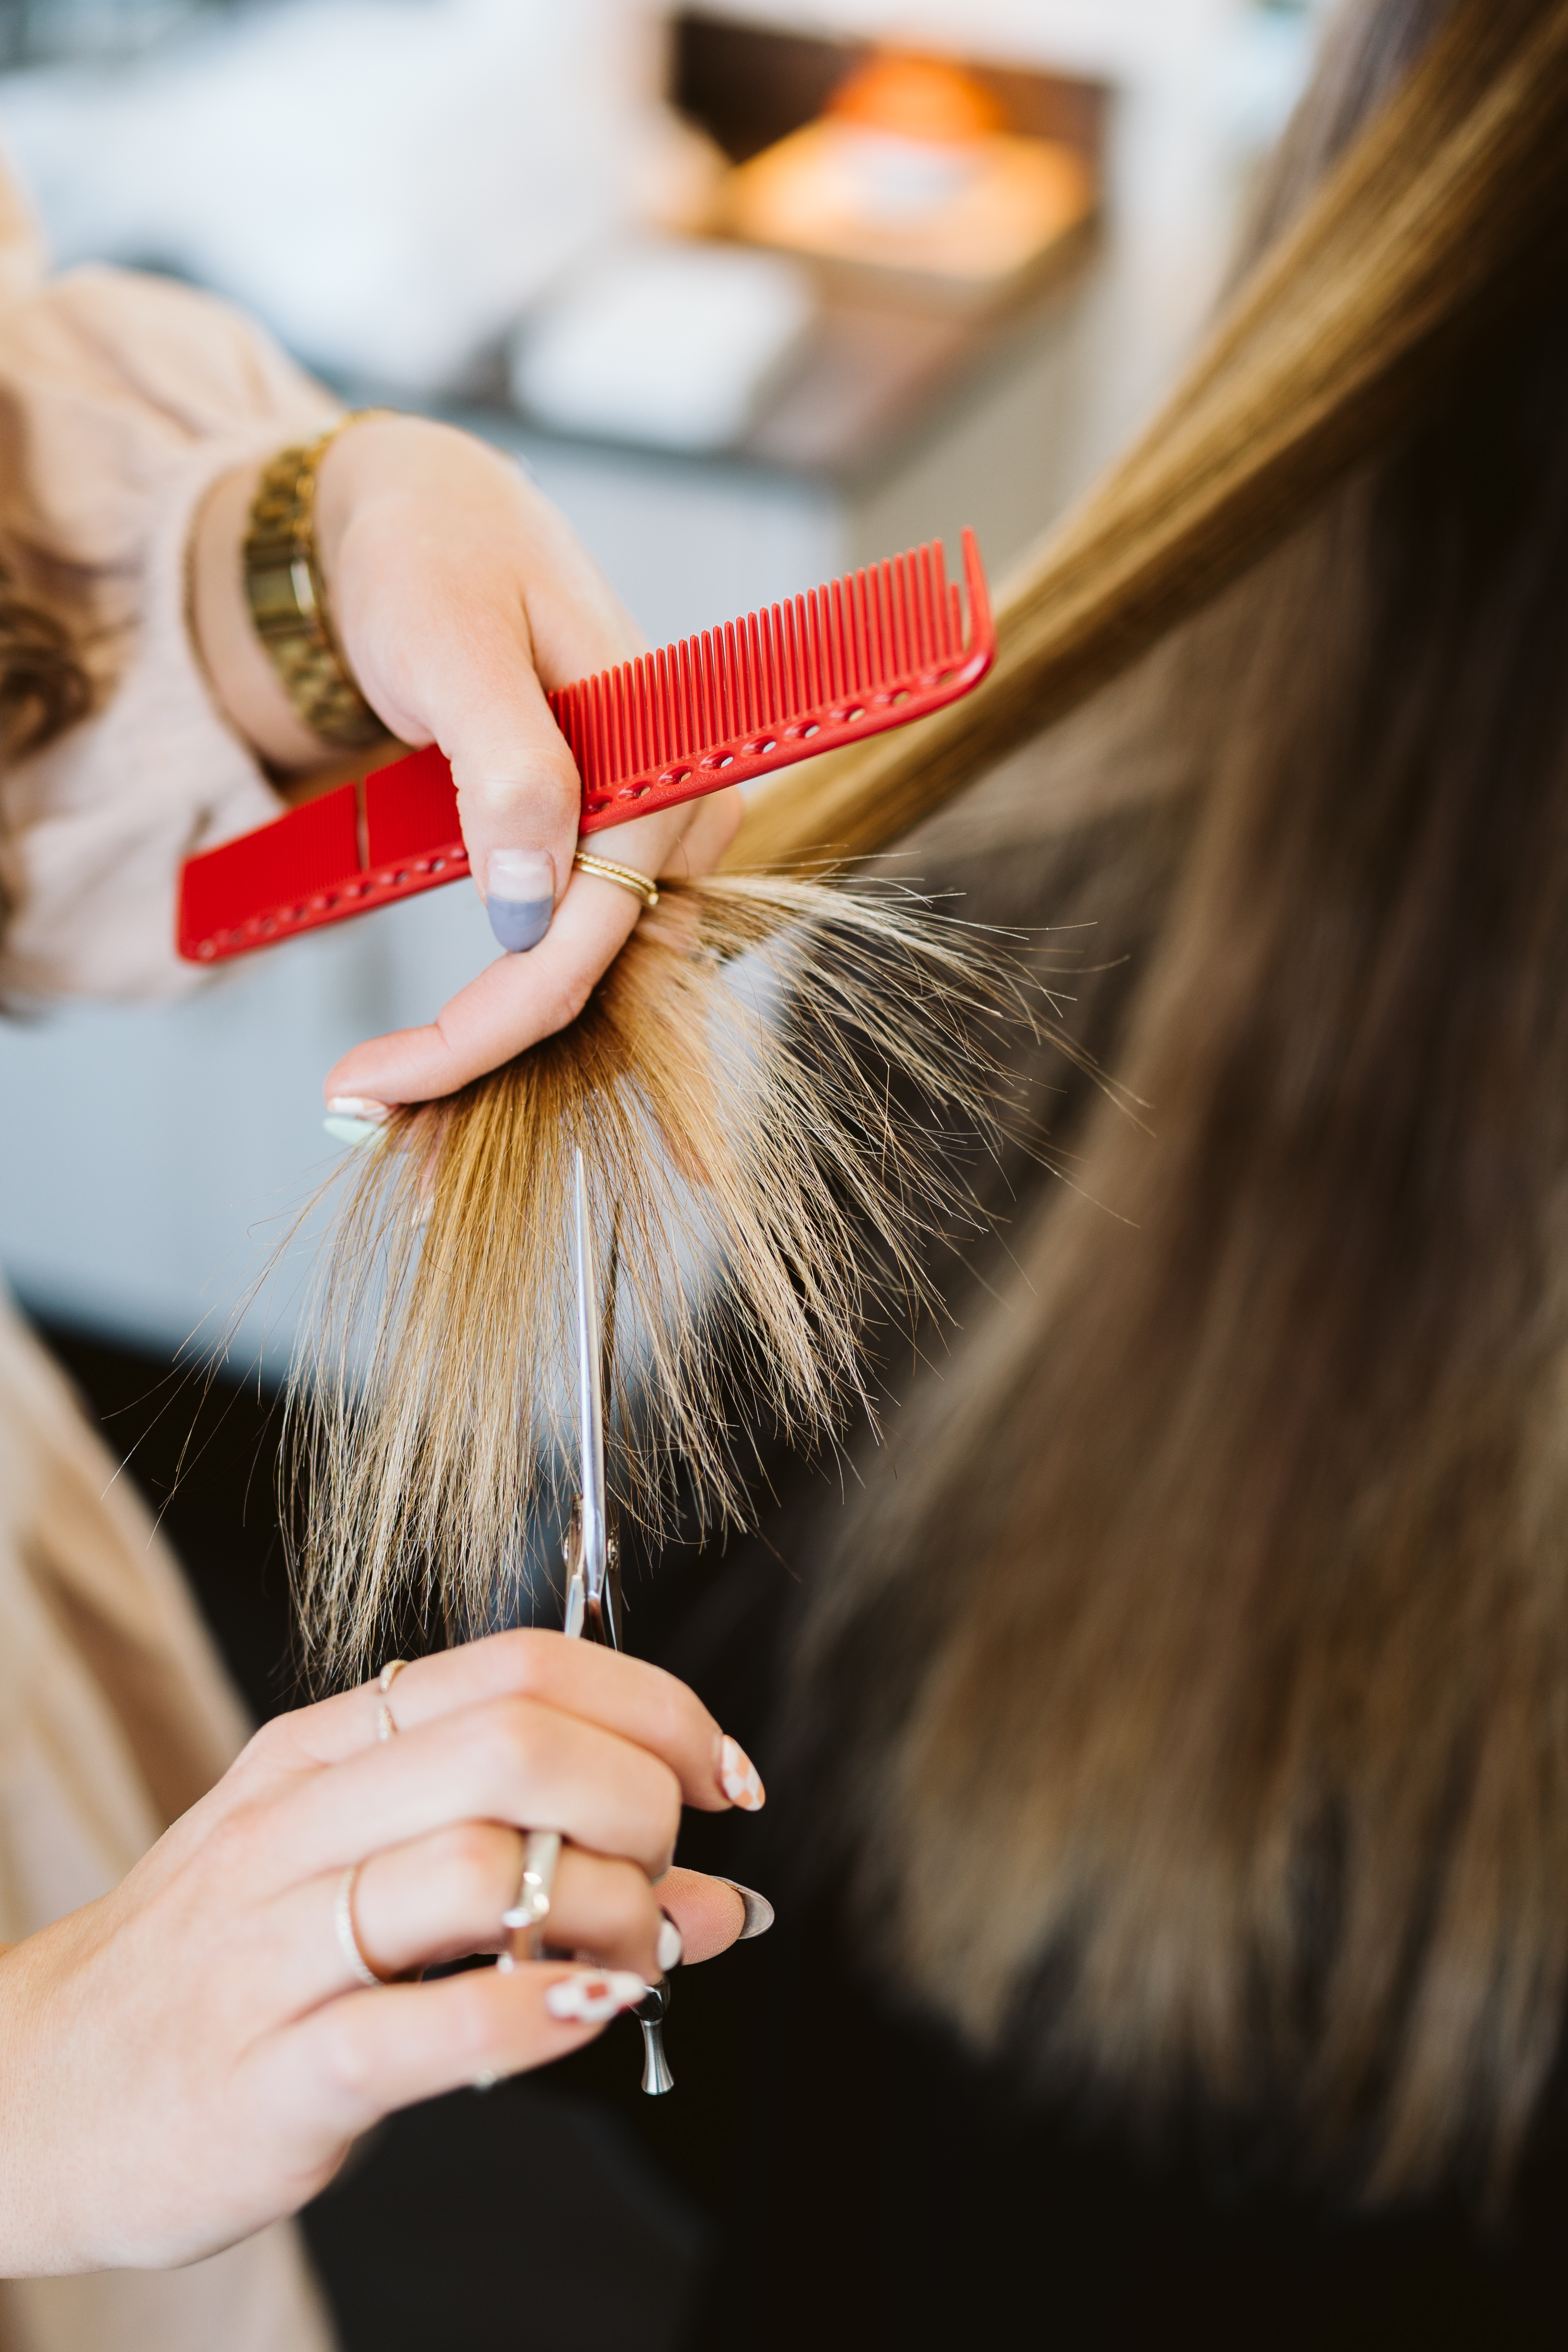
[(260, 611), (243, 679)]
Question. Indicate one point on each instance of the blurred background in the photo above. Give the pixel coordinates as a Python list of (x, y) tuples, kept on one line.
[(757, 291)]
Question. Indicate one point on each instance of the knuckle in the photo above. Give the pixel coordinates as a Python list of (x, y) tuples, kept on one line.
[(509, 1739), (475, 1859), (530, 1654), (273, 1742), (232, 1841), (343, 2059), (548, 784)]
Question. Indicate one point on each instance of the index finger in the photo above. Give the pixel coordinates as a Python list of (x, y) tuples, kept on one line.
[(520, 999), (514, 1001), (627, 1695)]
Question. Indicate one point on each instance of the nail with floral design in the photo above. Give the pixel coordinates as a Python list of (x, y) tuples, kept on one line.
[(594, 1994)]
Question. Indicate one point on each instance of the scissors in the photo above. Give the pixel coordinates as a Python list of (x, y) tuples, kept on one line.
[(593, 1552), (592, 1589)]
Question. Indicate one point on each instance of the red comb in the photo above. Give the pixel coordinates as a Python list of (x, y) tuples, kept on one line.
[(870, 651)]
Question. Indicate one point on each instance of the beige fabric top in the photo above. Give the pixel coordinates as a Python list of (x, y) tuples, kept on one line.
[(122, 399)]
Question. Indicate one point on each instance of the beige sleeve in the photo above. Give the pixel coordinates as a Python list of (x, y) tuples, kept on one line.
[(122, 398)]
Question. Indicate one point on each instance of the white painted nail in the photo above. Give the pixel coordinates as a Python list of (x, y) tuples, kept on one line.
[(670, 1945), (594, 1995), (359, 1107), (355, 1132), (739, 1777)]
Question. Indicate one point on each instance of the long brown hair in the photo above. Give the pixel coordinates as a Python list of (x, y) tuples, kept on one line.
[(1217, 1740)]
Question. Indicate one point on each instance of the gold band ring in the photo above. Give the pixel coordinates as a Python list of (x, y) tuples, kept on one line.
[(641, 885), (385, 1724)]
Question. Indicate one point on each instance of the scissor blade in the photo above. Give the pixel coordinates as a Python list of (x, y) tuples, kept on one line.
[(590, 1398)]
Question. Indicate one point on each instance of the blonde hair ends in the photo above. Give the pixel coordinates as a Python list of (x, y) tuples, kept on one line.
[(757, 1086)]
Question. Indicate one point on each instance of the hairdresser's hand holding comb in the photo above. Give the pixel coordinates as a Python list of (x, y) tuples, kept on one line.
[(459, 597), (191, 2056)]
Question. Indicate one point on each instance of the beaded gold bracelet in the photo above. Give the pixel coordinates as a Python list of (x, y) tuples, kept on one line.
[(287, 597)]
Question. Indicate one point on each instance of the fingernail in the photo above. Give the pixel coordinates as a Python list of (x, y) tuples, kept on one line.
[(359, 1107), (589, 1998), (670, 1945), (739, 1778), (353, 1131), (520, 897), (759, 1911)]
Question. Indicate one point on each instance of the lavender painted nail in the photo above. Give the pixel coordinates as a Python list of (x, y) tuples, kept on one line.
[(520, 897)]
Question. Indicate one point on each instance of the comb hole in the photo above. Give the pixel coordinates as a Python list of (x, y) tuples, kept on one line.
[(765, 743), (720, 759), (599, 803), (800, 734), (675, 776)]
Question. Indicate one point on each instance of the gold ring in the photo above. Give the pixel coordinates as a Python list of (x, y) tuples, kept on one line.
[(641, 885), (385, 1724)]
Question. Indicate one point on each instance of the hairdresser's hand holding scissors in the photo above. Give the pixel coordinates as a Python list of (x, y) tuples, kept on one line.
[(190, 2057), (460, 597)]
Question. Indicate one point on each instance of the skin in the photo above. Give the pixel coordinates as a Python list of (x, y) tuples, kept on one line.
[(189, 2058), (460, 598)]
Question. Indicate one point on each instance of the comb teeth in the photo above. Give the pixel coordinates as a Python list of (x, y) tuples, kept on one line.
[(723, 706), (870, 651)]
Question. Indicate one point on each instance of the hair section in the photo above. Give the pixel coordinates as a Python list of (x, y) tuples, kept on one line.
[(756, 1087)]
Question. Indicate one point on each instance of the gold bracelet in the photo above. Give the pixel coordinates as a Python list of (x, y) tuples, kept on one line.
[(641, 885), (287, 597)]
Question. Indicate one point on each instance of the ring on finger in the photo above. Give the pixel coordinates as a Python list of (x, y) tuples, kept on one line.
[(348, 1934), (530, 1906), (386, 1725), (627, 878)]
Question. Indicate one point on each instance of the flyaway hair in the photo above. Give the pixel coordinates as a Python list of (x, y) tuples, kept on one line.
[(764, 1088)]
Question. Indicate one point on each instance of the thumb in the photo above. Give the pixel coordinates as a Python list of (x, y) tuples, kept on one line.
[(472, 689), (519, 796)]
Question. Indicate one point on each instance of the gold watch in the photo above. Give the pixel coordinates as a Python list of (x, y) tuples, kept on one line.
[(288, 598)]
